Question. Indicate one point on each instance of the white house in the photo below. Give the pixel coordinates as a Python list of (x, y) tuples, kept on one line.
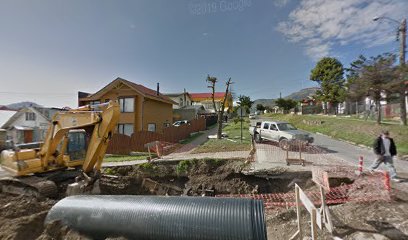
[(182, 99), (28, 124)]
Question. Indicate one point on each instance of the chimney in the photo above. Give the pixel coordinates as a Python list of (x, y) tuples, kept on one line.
[(158, 89)]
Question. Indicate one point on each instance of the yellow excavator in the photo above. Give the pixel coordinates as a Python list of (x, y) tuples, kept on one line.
[(74, 148)]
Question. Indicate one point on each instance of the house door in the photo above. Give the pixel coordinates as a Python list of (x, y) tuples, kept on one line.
[(28, 136)]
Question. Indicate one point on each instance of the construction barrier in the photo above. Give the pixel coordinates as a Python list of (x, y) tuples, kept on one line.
[(319, 217), (366, 188), (360, 164)]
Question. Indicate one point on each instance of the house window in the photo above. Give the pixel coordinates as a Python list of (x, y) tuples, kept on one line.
[(151, 127), (126, 104), (126, 129), (30, 116)]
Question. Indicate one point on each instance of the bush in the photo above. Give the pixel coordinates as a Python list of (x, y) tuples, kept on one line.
[(147, 166), (183, 166), (109, 171)]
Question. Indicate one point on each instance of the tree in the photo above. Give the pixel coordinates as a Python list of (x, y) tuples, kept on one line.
[(328, 73), (286, 104), (373, 77), (246, 102), (220, 111), (402, 88), (260, 107)]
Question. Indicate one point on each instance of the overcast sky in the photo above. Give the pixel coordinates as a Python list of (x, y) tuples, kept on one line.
[(50, 49)]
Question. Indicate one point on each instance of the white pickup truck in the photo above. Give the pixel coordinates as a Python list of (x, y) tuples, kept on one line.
[(276, 131)]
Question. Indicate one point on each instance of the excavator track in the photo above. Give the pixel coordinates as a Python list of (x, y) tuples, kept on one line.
[(29, 186)]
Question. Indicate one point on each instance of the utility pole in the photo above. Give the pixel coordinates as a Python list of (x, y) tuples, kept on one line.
[(403, 36)]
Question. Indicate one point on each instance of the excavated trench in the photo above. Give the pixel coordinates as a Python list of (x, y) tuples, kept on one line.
[(197, 178), (22, 217)]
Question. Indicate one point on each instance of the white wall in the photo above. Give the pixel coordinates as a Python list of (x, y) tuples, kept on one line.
[(180, 100), (39, 121)]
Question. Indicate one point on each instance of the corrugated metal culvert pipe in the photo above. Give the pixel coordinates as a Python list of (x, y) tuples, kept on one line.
[(160, 217)]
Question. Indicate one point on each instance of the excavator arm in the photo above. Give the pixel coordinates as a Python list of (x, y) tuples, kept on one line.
[(99, 121)]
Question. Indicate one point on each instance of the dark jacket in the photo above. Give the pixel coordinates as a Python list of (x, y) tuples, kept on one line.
[(379, 147)]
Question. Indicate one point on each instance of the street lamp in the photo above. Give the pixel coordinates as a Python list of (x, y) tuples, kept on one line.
[(376, 18), (402, 33)]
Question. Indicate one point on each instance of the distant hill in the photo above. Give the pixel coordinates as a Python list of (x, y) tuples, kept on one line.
[(303, 93), (20, 105), (265, 102), (297, 96)]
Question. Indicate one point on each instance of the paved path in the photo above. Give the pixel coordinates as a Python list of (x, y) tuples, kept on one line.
[(185, 152)]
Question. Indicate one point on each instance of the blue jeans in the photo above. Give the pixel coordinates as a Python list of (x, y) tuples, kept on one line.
[(387, 160)]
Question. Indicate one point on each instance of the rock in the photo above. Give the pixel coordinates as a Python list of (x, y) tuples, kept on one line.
[(367, 236)]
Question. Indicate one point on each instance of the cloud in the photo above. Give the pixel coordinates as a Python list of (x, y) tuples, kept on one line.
[(281, 3), (321, 25)]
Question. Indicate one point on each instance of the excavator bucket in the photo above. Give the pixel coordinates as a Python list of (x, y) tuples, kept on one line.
[(83, 187)]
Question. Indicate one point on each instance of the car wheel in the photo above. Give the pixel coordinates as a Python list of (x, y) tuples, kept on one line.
[(284, 144)]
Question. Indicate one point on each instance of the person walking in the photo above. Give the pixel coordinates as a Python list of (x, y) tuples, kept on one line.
[(385, 149)]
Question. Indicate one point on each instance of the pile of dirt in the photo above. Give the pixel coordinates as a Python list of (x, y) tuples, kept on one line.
[(57, 231), (22, 217)]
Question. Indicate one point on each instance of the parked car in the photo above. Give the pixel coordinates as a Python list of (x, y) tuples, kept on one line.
[(252, 116), (179, 123), (276, 131)]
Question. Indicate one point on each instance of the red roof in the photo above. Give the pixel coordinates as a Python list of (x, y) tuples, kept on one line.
[(207, 95)]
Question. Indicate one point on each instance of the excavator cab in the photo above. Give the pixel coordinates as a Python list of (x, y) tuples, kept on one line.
[(77, 145)]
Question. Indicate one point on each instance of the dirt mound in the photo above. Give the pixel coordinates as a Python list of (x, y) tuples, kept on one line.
[(22, 218), (56, 231), (14, 207)]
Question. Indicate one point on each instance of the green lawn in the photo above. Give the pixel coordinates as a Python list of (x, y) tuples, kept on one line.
[(124, 158), (233, 143), (354, 130)]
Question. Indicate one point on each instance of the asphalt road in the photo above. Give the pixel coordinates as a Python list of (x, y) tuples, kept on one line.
[(351, 153)]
